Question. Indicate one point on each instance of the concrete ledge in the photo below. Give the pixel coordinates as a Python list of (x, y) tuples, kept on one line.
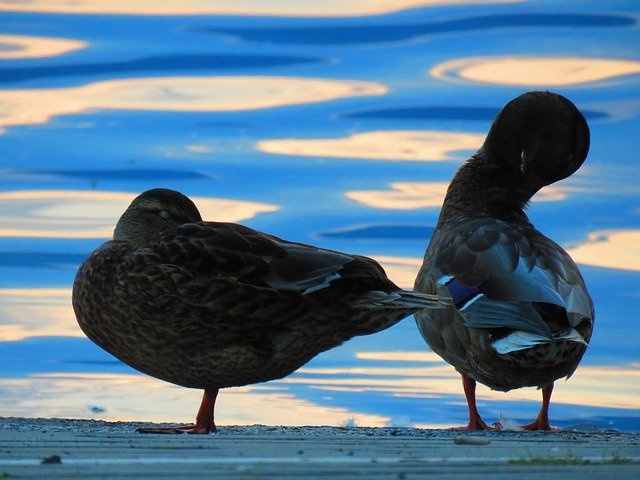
[(61, 448)]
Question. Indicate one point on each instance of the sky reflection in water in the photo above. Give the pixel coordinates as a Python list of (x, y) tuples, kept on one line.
[(93, 214), (302, 8), (185, 94), (419, 145), (534, 71), (343, 132), (22, 46)]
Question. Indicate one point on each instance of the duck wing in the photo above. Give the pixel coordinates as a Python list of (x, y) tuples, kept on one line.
[(265, 260), (230, 268), (503, 275)]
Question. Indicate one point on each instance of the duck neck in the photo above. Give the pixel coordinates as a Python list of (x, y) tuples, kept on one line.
[(482, 189)]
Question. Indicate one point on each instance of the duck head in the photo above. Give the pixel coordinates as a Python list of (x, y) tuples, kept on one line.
[(153, 213), (541, 134)]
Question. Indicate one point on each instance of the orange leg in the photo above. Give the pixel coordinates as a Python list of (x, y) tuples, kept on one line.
[(542, 420), (204, 419), (475, 420)]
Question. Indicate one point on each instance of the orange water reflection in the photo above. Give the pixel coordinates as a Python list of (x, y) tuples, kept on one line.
[(130, 397), (135, 397), (93, 214), (618, 387), (610, 249), (414, 195), (533, 71), (403, 196), (400, 356), (409, 145), (281, 8), (185, 94), (33, 312), (22, 46), (401, 270)]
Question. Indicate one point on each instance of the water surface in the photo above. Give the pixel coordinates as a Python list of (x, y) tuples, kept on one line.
[(335, 124)]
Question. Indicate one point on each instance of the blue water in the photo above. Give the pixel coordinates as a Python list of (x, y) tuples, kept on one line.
[(337, 130)]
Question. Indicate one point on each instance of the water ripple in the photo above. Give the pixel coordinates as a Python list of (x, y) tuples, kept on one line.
[(160, 63), (387, 232), (358, 34), (467, 113)]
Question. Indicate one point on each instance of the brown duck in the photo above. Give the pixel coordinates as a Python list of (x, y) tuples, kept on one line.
[(211, 305), (521, 314)]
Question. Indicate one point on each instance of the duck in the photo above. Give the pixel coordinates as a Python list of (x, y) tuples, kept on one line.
[(520, 312), (211, 305)]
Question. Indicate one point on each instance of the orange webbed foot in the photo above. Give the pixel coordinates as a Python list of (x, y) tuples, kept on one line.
[(190, 429)]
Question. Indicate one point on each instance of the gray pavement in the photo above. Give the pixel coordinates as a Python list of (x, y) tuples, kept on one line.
[(66, 449)]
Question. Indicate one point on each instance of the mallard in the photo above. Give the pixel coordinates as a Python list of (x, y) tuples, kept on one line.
[(210, 305), (521, 314)]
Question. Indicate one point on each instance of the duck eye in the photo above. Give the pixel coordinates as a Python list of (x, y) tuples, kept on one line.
[(164, 214)]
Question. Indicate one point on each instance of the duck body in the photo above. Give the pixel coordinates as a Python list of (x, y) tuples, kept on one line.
[(521, 315), (162, 310), (212, 305)]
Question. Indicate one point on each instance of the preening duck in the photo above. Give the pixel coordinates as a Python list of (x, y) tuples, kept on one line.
[(521, 313), (210, 305)]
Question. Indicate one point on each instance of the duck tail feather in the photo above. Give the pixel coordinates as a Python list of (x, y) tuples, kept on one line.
[(401, 300)]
